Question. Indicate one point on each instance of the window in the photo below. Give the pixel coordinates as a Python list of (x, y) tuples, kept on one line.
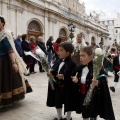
[(110, 23), (34, 26), (63, 32)]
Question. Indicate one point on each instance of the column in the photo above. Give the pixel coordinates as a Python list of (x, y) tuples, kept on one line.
[(13, 21), (46, 27), (55, 29), (4, 10), (18, 23), (50, 27)]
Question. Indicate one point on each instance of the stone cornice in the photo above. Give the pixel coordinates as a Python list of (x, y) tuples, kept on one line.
[(96, 26), (54, 8), (52, 20), (12, 6), (15, 7), (57, 10)]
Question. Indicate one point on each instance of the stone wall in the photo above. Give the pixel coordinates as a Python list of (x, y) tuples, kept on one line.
[(51, 16)]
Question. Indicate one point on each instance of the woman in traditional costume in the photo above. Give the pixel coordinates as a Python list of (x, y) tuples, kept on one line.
[(12, 69), (108, 61), (77, 46)]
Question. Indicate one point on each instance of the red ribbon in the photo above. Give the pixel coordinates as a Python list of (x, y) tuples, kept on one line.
[(117, 67), (83, 88)]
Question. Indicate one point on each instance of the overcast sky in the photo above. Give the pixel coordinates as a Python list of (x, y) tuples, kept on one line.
[(108, 6)]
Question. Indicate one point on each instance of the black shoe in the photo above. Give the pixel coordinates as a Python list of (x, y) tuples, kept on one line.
[(27, 74), (42, 71), (57, 119), (66, 119), (112, 89), (92, 118), (33, 72)]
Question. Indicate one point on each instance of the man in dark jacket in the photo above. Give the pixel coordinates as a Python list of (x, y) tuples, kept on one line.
[(18, 42), (50, 51)]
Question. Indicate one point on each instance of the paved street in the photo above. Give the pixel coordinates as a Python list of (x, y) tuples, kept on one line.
[(33, 107)]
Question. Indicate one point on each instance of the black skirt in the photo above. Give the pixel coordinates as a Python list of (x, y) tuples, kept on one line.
[(11, 87), (89, 111), (55, 97)]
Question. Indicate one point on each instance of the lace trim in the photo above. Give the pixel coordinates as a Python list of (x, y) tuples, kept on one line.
[(2, 36)]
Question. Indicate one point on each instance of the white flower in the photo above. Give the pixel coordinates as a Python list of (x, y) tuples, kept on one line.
[(98, 51), (40, 52), (96, 57), (118, 73), (26, 53)]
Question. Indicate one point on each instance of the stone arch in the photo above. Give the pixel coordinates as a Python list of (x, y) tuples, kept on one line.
[(63, 33), (93, 40), (35, 28), (102, 40)]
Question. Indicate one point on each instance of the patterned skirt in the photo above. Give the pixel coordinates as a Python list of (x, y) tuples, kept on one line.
[(11, 87)]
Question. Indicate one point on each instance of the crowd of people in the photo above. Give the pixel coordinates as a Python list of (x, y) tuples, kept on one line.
[(25, 43), (72, 69)]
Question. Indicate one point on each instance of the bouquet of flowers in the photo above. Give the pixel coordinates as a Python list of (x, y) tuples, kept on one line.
[(42, 58), (97, 64)]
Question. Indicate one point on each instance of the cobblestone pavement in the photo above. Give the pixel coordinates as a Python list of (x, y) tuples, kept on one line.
[(33, 107)]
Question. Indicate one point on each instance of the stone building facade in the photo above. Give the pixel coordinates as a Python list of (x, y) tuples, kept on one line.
[(51, 18), (113, 26)]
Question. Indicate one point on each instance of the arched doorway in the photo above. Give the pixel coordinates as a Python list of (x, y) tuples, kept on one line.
[(102, 41), (63, 34), (34, 29), (93, 41)]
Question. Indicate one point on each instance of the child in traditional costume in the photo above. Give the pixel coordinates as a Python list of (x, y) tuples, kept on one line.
[(100, 100), (64, 91)]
